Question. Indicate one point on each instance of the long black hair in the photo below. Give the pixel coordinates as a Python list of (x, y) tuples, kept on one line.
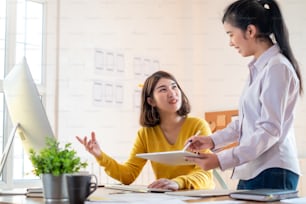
[(267, 17)]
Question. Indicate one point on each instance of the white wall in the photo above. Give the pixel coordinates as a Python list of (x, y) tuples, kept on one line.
[(185, 36)]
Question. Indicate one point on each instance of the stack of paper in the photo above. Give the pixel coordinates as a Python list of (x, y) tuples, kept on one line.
[(35, 192)]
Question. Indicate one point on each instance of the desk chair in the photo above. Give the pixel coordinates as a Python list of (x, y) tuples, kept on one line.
[(218, 120)]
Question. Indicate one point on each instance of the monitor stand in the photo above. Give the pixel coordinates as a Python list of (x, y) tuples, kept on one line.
[(3, 161), (8, 147)]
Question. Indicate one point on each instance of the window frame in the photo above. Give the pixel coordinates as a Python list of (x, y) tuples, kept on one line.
[(7, 180)]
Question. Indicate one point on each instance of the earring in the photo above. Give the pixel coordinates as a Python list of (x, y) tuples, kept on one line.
[(153, 111)]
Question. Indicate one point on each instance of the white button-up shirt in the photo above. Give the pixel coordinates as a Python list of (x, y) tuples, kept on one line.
[(264, 127)]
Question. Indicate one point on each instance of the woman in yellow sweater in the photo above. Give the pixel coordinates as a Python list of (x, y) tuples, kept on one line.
[(165, 127)]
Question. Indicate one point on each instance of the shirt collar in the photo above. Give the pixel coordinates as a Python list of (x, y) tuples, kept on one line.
[(264, 58), (256, 65)]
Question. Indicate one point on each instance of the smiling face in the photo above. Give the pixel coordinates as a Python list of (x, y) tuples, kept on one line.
[(239, 39), (167, 97)]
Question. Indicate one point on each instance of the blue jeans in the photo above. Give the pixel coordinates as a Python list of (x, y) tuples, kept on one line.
[(276, 178)]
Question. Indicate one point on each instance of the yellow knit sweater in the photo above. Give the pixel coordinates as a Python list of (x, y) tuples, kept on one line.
[(153, 140)]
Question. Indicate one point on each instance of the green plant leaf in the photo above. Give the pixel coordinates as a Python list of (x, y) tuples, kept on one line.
[(54, 160)]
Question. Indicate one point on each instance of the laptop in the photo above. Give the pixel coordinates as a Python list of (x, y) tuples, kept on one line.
[(202, 193), (265, 195), (135, 188)]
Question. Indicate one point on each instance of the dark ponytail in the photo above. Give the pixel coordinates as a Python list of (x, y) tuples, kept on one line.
[(281, 34), (267, 17)]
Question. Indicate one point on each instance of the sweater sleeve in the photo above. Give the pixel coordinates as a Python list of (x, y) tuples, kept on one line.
[(197, 178), (128, 171)]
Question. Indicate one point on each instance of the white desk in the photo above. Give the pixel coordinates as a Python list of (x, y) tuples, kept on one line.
[(24, 200)]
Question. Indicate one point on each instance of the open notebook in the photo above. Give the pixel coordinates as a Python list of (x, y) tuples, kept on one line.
[(169, 157)]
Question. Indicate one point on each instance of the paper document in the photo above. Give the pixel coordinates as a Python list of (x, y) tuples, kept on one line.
[(222, 202), (135, 198), (15, 191), (301, 200)]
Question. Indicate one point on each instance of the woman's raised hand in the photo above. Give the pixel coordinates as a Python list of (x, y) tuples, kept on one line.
[(91, 145)]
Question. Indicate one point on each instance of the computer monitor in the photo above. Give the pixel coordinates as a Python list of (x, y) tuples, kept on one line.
[(25, 108)]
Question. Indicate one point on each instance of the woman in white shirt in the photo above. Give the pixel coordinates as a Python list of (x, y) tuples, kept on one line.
[(266, 156)]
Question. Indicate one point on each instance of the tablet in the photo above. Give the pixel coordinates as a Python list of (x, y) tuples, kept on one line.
[(170, 157)]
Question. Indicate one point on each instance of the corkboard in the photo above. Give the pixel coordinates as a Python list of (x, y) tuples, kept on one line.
[(219, 119)]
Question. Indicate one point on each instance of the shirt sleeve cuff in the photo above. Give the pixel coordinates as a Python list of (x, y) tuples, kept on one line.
[(217, 141), (226, 159)]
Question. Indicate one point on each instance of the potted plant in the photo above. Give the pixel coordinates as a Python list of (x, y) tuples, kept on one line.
[(52, 163)]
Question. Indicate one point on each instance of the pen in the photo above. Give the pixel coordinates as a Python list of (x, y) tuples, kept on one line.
[(189, 142)]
